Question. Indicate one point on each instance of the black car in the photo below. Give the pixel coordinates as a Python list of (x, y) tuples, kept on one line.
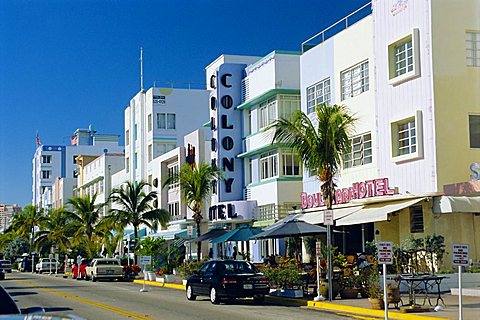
[(228, 279)]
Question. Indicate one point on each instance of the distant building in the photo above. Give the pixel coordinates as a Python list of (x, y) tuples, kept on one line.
[(52, 161), (6, 213)]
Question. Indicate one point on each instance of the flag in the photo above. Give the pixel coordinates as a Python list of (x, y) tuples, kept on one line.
[(37, 139), (74, 140)]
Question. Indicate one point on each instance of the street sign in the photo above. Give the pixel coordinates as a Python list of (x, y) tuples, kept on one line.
[(328, 217), (318, 249), (145, 260), (460, 254), (385, 252), (190, 231)]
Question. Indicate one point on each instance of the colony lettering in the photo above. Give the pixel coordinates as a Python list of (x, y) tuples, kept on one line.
[(475, 170), (358, 190)]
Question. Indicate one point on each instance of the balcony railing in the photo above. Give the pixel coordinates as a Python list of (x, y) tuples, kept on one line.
[(337, 27), (273, 212)]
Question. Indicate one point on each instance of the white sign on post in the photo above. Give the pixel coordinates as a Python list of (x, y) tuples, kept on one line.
[(189, 231), (318, 249), (328, 217), (145, 260), (385, 252), (460, 254)]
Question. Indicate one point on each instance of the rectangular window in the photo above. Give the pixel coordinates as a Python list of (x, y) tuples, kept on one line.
[(135, 161), (127, 165), (173, 172), (127, 137), (474, 130), (287, 105), (161, 121), (267, 112), (135, 132), (416, 219), (361, 151), (150, 152), (317, 94), (149, 122), (46, 174), (290, 164), (403, 57), (46, 159), (173, 208), (170, 120), (250, 171), (355, 80), (162, 148), (268, 165), (407, 137), (472, 41)]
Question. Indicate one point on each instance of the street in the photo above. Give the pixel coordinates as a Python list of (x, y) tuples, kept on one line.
[(122, 300)]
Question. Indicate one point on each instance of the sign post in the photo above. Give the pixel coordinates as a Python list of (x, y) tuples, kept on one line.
[(190, 234), (328, 221), (461, 257), (56, 263), (145, 260), (385, 256), (79, 263), (318, 250), (50, 257)]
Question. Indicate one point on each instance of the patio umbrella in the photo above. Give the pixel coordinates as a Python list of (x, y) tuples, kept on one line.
[(290, 229), (241, 233), (212, 234)]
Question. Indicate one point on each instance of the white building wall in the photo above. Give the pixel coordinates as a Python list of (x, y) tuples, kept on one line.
[(395, 102)]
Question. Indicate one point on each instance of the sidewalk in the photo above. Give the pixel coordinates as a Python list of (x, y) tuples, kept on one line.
[(361, 307)]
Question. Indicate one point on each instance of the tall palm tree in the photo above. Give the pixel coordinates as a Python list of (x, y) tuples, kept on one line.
[(57, 228), (321, 144), (25, 222), (86, 216), (135, 208), (195, 187)]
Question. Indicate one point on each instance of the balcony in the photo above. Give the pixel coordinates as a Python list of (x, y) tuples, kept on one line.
[(273, 211)]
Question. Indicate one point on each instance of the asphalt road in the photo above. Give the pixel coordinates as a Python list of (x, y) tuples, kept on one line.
[(123, 300)]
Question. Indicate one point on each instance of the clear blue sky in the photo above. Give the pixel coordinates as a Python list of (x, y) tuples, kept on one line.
[(67, 64)]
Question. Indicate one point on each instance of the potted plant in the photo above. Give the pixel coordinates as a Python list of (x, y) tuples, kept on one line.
[(373, 287), (285, 279), (350, 286), (187, 268), (393, 293)]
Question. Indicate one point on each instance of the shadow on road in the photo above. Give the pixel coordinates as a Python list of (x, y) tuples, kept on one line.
[(58, 309), (21, 293)]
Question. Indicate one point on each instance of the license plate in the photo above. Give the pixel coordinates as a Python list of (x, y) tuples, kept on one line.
[(248, 286), (110, 271)]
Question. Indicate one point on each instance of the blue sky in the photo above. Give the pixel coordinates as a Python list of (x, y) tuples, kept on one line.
[(67, 64)]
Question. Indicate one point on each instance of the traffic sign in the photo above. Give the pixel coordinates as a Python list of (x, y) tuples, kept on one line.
[(460, 254), (145, 260), (385, 252), (328, 217)]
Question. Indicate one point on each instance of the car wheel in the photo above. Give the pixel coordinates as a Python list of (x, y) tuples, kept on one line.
[(259, 298), (214, 299), (189, 293)]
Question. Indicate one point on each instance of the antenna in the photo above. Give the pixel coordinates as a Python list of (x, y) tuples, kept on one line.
[(141, 68)]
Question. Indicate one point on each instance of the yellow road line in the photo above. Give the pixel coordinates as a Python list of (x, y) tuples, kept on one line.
[(89, 302)]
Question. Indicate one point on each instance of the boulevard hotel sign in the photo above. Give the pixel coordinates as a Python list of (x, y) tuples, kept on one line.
[(358, 190)]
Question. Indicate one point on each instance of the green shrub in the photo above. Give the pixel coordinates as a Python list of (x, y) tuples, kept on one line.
[(187, 268)]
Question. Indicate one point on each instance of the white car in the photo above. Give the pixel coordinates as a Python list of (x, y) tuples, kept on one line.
[(104, 268), (6, 265), (46, 265)]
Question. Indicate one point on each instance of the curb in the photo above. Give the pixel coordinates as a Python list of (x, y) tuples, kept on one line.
[(324, 306)]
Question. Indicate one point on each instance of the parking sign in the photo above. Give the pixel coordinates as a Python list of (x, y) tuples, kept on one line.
[(385, 252), (460, 254)]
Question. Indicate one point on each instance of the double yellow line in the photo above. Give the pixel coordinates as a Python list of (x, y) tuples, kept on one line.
[(123, 312)]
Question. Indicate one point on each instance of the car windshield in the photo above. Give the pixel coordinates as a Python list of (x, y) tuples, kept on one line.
[(236, 267)]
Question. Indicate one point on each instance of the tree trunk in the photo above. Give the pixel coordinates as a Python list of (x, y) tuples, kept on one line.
[(135, 236), (199, 243)]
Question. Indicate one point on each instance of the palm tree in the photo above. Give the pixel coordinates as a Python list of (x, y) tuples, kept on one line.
[(321, 145), (25, 222), (57, 228), (195, 187), (86, 216), (135, 208)]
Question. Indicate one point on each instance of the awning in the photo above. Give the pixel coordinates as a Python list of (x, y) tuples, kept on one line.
[(173, 234), (241, 233), (447, 204), (141, 233), (316, 217), (376, 212), (212, 234)]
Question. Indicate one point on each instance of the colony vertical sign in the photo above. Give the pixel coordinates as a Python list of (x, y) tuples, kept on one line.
[(225, 123)]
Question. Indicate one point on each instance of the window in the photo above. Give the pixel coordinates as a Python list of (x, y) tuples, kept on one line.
[(317, 94), (127, 165), (46, 159), (149, 122), (290, 164), (474, 129), (173, 208), (361, 151), (135, 161), (135, 132), (127, 137), (150, 152), (472, 42), (287, 105), (404, 58), (354, 80), (250, 171), (268, 165), (163, 148), (166, 121), (416, 219), (173, 172), (267, 112), (46, 174), (407, 138)]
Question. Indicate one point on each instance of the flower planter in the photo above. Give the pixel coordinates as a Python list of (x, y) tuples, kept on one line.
[(376, 303), (324, 288), (349, 293), (160, 279), (287, 293), (184, 282)]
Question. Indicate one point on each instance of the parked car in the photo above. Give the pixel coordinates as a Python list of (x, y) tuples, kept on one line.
[(228, 279), (83, 267), (46, 265), (2, 273), (6, 265), (104, 268)]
